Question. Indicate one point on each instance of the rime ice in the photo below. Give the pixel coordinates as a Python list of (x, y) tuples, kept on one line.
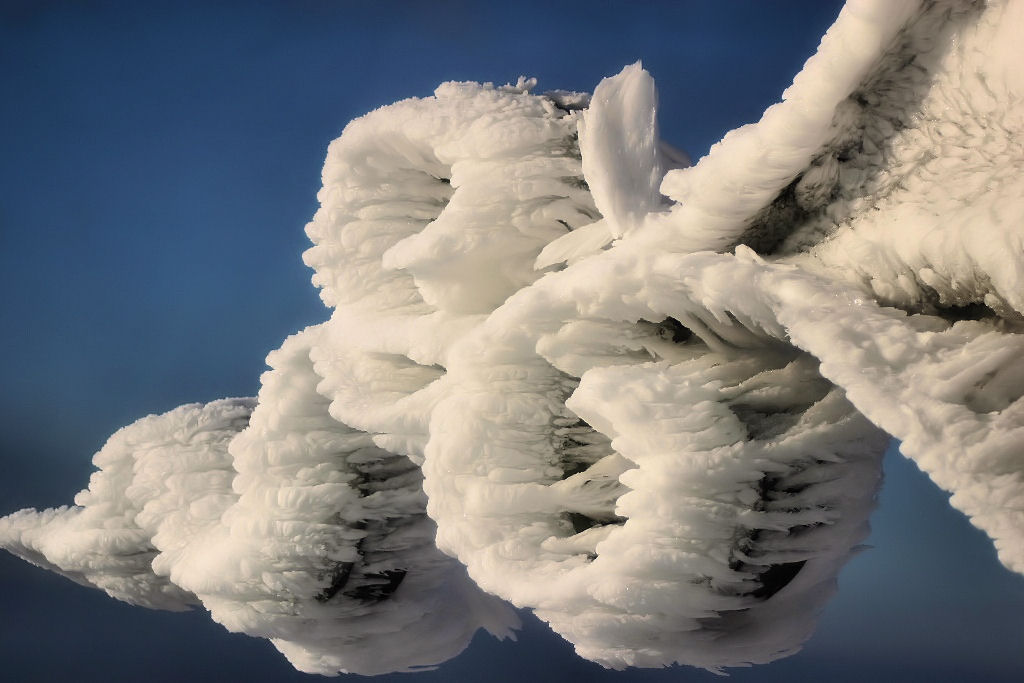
[(565, 370)]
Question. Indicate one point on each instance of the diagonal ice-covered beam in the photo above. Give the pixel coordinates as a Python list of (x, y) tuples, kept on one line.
[(750, 166)]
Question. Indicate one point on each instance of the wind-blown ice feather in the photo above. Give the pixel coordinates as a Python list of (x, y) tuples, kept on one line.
[(745, 171)]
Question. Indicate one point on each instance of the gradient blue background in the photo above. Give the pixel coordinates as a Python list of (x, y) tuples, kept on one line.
[(157, 164)]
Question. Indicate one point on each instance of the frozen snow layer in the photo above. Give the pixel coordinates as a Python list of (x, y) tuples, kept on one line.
[(159, 480), (659, 481), (328, 550)]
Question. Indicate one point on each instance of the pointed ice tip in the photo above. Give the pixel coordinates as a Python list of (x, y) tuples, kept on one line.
[(620, 148), (628, 73), (745, 254), (523, 85)]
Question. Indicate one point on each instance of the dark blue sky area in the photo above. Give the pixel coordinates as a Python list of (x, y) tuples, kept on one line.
[(158, 163)]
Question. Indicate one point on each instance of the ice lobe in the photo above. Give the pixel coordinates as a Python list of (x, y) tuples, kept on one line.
[(159, 480), (660, 483), (432, 213), (443, 203), (327, 550)]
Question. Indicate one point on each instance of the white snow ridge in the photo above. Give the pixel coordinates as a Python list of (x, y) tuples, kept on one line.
[(564, 370)]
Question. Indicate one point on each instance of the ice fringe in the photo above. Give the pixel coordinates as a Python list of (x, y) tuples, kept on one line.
[(669, 444)]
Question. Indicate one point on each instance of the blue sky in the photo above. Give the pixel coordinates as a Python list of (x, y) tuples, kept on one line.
[(158, 163)]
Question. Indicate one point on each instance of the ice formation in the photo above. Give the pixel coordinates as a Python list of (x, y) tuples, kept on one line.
[(326, 529), (158, 480), (432, 213), (646, 400)]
